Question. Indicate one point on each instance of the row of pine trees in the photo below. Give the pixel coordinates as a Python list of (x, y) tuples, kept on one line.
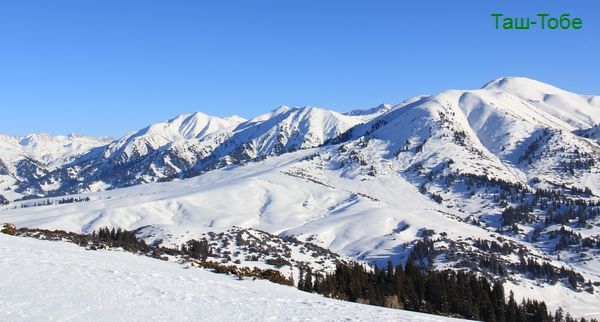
[(448, 293)]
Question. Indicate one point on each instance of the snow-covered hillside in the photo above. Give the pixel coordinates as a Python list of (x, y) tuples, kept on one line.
[(24, 160), (580, 111), (192, 144), (502, 181), (280, 195), (50, 281), (184, 127), (51, 151)]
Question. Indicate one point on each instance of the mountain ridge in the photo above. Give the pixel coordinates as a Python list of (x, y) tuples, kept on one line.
[(485, 180), (191, 144)]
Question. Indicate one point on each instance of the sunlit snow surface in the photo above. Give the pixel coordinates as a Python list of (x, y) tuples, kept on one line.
[(49, 281), (358, 197)]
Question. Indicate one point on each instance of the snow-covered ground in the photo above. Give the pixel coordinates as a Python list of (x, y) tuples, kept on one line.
[(425, 166), (50, 281), (367, 219)]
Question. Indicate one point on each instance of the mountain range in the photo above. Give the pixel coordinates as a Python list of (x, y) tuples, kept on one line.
[(501, 180)]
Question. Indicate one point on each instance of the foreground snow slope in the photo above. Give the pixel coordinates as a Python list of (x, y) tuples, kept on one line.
[(44, 281)]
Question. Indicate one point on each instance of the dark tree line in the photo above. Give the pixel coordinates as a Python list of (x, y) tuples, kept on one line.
[(559, 206), (493, 246), (448, 292), (119, 238), (518, 214), (567, 238), (195, 252), (554, 206), (59, 201), (198, 249), (424, 252)]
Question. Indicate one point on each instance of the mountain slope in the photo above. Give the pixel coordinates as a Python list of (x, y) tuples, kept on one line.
[(112, 285), (580, 111), (184, 127), (193, 144), (376, 219), (52, 151), (484, 132), (483, 180), (257, 195), (286, 130), (24, 160)]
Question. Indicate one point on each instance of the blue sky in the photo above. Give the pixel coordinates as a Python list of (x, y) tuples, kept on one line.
[(107, 67)]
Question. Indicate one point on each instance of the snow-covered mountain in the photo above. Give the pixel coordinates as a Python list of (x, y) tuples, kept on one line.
[(580, 111), (374, 110), (24, 160), (51, 151), (501, 180), (191, 144), (138, 144), (490, 131)]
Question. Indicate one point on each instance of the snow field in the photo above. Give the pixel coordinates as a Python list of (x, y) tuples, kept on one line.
[(55, 281)]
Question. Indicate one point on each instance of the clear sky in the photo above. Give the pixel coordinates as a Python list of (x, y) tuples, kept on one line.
[(105, 67)]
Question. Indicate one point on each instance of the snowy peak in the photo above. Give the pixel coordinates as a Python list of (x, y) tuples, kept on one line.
[(516, 84), (24, 160), (382, 108), (579, 111), (312, 126), (195, 143), (35, 139), (504, 107), (482, 132), (285, 130), (52, 151), (492, 124), (267, 116), (190, 126), (55, 147), (183, 127)]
